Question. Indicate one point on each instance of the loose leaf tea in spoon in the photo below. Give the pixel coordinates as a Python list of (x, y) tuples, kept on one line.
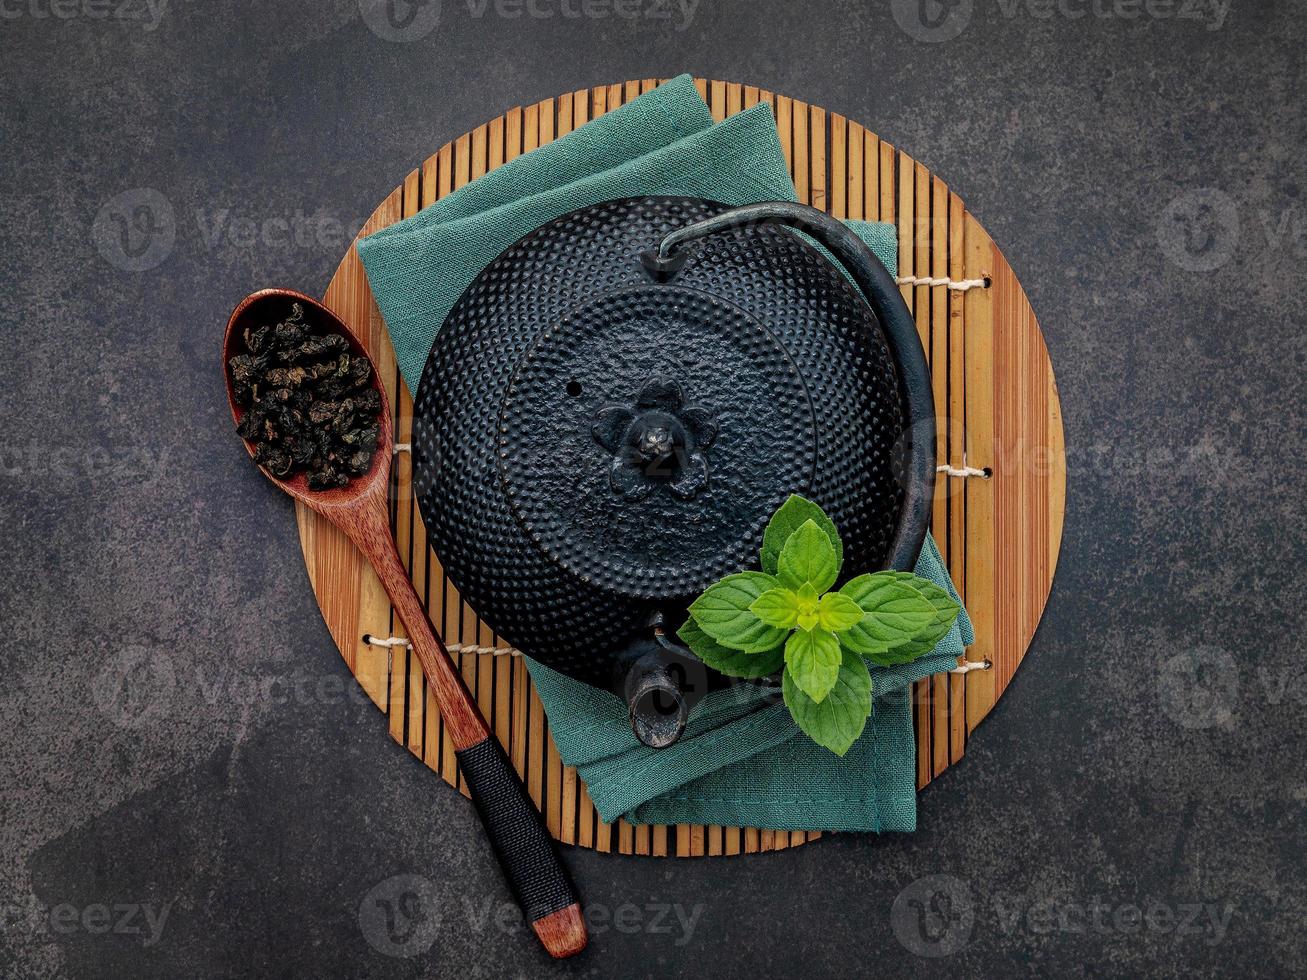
[(309, 405)]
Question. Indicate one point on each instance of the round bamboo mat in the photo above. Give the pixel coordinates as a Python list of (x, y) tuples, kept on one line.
[(998, 413)]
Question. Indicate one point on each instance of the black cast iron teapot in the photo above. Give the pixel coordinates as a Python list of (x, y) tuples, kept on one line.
[(616, 406)]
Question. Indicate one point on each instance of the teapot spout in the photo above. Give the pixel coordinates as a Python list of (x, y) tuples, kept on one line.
[(662, 683), (657, 702)]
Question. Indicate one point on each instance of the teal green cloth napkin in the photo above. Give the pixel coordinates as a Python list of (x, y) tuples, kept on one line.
[(742, 761)]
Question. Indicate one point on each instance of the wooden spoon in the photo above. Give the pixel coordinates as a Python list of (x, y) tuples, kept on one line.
[(523, 846)]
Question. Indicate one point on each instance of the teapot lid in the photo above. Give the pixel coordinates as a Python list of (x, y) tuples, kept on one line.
[(646, 436)]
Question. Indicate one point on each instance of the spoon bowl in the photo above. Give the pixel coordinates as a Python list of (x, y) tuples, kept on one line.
[(272, 306)]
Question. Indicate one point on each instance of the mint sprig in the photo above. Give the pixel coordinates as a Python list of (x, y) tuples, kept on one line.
[(784, 618)]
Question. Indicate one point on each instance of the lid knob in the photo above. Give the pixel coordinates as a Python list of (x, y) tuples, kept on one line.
[(658, 439)]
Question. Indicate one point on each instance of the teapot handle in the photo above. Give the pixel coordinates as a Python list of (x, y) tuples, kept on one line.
[(885, 300)]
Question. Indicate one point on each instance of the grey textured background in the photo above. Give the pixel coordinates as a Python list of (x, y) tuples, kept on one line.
[(178, 733)]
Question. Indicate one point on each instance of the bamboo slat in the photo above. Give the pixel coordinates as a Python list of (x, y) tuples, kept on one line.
[(997, 407)]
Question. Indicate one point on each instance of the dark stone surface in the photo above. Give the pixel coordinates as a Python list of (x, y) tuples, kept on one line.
[(1147, 757)]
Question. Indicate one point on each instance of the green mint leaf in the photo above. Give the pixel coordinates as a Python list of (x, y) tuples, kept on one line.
[(838, 719), (812, 658), (904, 653), (789, 518), (808, 557), (939, 597), (837, 612), (893, 613), (723, 613), (947, 611), (946, 607), (733, 663), (777, 607)]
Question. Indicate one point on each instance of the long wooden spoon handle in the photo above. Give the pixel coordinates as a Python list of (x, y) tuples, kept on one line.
[(524, 848)]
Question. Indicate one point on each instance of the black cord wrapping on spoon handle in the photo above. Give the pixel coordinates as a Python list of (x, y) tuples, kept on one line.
[(522, 844)]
